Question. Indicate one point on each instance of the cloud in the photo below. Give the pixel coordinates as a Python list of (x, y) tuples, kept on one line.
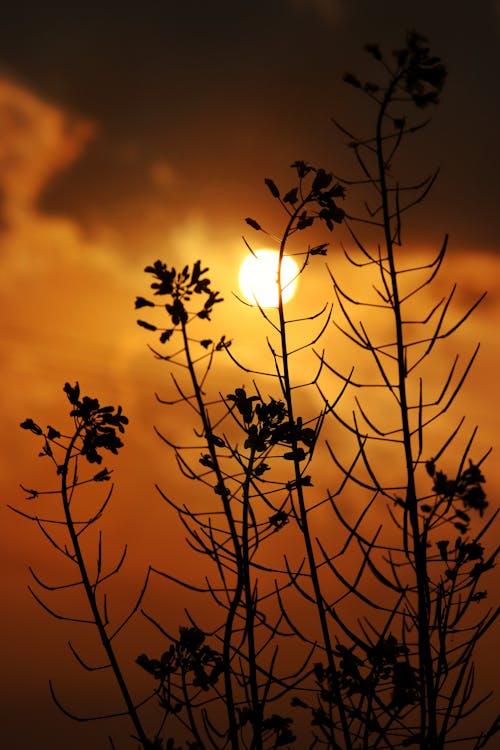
[(162, 174), (37, 139), (56, 283)]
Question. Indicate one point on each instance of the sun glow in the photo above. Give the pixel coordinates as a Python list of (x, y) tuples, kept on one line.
[(259, 278)]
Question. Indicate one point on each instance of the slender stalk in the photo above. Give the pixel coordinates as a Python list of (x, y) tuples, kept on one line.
[(239, 585), (90, 594), (304, 521), (250, 612), (427, 698), (189, 708)]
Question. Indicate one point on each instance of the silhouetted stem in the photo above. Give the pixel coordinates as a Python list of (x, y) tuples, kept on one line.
[(192, 722), (89, 591), (427, 698), (250, 612), (238, 589), (304, 522)]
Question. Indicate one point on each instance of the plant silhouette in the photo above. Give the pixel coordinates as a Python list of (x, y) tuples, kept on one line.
[(323, 628)]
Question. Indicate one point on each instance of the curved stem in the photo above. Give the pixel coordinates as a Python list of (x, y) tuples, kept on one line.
[(238, 589), (250, 612), (90, 594), (285, 381), (428, 726)]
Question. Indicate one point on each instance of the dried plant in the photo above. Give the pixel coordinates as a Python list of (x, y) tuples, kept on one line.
[(320, 628)]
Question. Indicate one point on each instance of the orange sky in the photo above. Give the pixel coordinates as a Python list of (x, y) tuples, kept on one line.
[(69, 277)]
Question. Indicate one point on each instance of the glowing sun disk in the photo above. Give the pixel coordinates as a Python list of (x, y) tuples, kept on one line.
[(259, 278)]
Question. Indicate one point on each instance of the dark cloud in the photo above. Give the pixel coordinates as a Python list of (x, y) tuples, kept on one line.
[(223, 92)]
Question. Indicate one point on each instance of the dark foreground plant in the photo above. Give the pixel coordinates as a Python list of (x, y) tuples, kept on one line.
[(95, 429), (325, 628)]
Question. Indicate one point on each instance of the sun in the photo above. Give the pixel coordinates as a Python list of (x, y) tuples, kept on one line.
[(259, 278)]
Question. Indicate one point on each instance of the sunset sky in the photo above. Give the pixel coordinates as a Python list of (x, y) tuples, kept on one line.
[(131, 132)]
